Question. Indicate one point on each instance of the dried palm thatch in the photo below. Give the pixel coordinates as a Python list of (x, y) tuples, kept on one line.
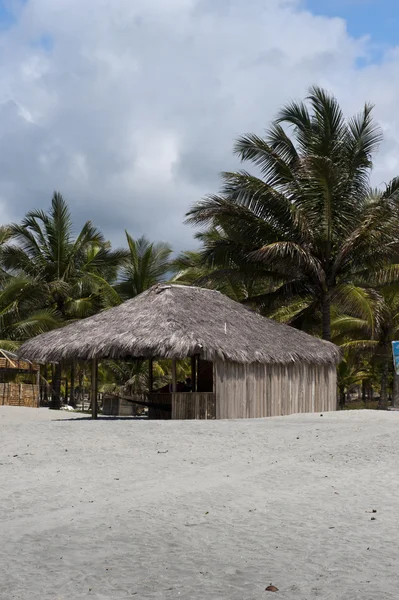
[(174, 321)]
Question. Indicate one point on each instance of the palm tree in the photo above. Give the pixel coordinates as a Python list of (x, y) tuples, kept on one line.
[(234, 280), (70, 274), (20, 314), (307, 219), (146, 264), (371, 336)]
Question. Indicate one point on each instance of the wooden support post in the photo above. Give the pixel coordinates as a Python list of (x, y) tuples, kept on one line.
[(151, 375), (56, 387), (72, 392), (194, 373), (174, 378), (94, 374), (38, 387)]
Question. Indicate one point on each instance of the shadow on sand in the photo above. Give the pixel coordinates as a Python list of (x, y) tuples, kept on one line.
[(103, 418)]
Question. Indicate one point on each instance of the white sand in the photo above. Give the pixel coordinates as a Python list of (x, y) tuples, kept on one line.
[(99, 510)]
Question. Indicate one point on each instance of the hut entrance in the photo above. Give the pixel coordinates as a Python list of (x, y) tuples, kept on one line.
[(192, 399)]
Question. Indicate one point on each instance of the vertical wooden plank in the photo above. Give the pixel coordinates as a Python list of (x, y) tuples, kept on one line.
[(217, 388), (249, 392)]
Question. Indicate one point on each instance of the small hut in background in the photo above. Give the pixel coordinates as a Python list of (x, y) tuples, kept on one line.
[(243, 365), (19, 381)]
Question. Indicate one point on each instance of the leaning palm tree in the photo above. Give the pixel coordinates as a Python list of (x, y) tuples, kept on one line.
[(307, 217), (145, 264)]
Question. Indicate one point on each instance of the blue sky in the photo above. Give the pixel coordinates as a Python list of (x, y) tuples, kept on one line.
[(377, 18), (8, 10)]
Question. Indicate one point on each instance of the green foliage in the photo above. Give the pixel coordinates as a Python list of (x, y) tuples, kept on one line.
[(144, 265), (308, 220), (73, 275)]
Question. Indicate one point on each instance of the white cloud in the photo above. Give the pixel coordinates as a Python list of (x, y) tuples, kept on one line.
[(131, 108)]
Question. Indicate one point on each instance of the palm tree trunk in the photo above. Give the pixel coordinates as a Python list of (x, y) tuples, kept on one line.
[(81, 389), (383, 403), (342, 398), (56, 395), (364, 391), (326, 312)]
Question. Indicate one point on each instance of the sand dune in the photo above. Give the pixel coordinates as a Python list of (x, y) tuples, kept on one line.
[(119, 509)]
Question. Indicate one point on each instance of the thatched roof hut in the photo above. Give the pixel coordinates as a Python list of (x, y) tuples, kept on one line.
[(173, 321)]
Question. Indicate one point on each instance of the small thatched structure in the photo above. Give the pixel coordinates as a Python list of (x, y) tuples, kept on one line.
[(24, 392), (259, 367)]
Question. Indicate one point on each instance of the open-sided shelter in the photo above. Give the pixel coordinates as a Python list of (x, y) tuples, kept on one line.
[(244, 365)]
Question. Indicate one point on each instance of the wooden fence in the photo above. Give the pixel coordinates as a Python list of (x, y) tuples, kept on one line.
[(19, 394)]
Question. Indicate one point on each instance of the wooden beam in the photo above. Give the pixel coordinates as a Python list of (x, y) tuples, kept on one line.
[(94, 373), (174, 378), (38, 386), (72, 392)]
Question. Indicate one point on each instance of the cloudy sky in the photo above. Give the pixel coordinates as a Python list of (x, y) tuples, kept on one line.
[(130, 107)]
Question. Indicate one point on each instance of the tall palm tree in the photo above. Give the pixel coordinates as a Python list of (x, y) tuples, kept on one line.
[(145, 264), (307, 216)]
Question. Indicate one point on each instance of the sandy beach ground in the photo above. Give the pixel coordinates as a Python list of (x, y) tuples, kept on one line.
[(119, 509)]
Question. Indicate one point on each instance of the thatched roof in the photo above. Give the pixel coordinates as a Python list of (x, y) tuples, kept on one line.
[(174, 321)]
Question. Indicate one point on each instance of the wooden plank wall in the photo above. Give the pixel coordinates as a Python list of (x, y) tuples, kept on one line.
[(256, 390), (193, 405), (19, 394)]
